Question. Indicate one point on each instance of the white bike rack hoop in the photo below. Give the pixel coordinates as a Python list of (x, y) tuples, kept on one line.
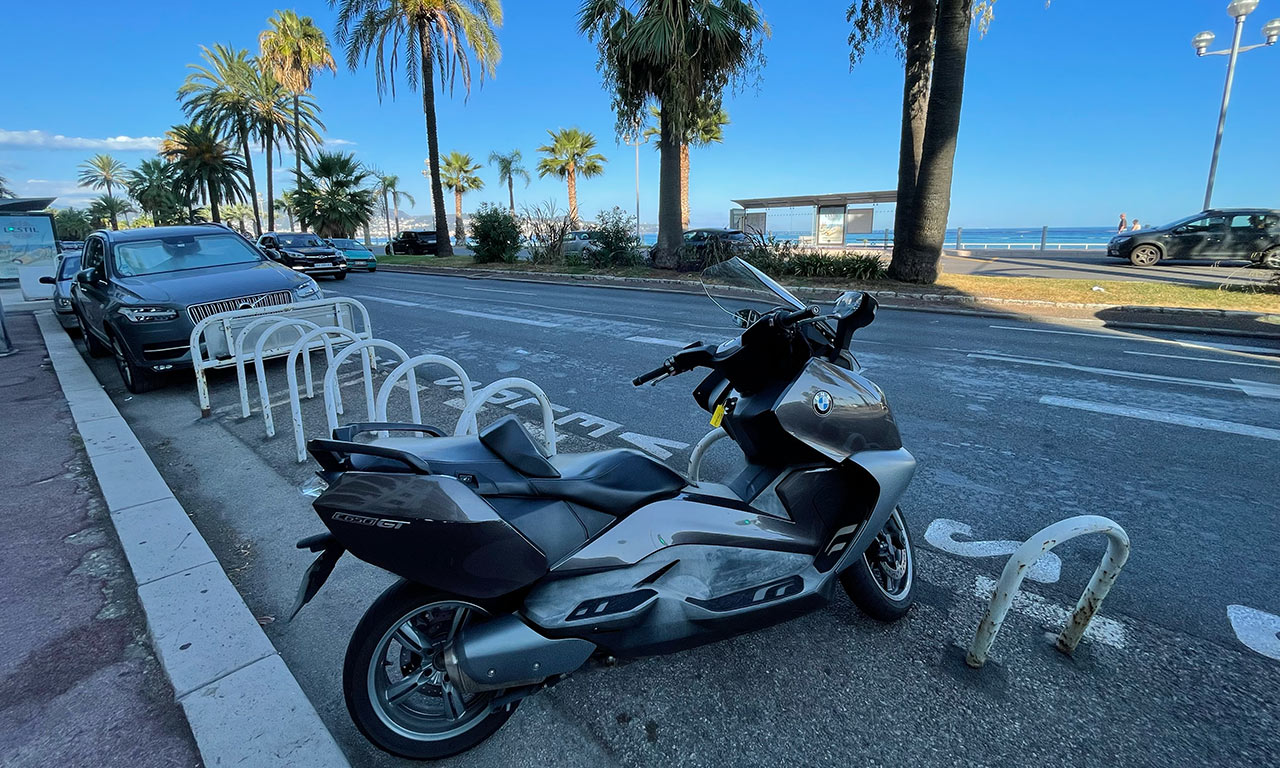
[(467, 421), (1020, 562), (411, 365), (331, 393)]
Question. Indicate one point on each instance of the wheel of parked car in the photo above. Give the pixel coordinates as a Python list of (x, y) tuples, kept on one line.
[(136, 379), (1271, 258), (388, 249), (340, 276), (95, 347), (1144, 256)]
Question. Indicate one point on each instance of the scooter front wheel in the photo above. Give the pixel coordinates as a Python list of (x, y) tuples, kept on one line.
[(882, 582), (394, 680)]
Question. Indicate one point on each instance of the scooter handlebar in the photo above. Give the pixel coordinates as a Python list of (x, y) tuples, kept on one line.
[(656, 373)]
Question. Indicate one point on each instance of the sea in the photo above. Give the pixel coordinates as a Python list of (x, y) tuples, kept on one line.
[(1000, 237)]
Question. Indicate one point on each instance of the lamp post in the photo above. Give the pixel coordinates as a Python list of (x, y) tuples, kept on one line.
[(1238, 10), (636, 141)]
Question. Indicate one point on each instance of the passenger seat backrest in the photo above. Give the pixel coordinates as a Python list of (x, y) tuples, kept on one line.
[(508, 438)]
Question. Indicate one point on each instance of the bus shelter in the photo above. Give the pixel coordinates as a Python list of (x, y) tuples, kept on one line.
[(826, 221)]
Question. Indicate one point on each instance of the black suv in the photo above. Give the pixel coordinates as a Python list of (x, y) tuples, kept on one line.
[(140, 292), (414, 242), (1220, 234), (304, 252)]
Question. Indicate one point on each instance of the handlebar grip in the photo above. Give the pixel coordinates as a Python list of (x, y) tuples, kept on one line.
[(799, 314), (645, 378)]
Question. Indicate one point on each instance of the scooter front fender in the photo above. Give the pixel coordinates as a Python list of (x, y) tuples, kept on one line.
[(892, 471)]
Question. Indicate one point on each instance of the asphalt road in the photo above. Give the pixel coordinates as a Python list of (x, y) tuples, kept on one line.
[(1015, 425), (1096, 265)]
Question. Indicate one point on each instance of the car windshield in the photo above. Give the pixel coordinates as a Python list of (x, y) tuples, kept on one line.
[(70, 265), (743, 291), (300, 241), (179, 252), (348, 244)]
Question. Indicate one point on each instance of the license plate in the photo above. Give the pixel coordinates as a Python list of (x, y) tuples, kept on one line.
[(324, 264)]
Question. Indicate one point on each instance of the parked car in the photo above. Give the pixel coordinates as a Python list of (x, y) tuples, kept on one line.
[(359, 255), (71, 245), (580, 242), (1251, 234), (414, 242), (140, 292), (304, 252), (698, 244), (68, 266)]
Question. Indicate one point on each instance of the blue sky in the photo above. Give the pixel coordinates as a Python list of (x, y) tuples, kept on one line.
[(1073, 113)]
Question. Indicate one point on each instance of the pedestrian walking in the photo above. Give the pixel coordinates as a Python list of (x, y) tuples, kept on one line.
[(1124, 222)]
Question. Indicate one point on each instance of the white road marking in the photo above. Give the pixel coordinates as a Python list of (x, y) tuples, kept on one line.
[(1218, 346), (659, 342), (397, 302), (1201, 359), (1101, 629), (1164, 417), (499, 290), (507, 318), (1111, 372), (1258, 630), (655, 445), (1258, 388), (941, 534)]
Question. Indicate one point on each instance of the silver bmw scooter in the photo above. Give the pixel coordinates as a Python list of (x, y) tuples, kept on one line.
[(517, 566)]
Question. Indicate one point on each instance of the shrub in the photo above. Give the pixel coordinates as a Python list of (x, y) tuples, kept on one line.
[(547, 227), (785, 258), (614, 242), (497, 234)]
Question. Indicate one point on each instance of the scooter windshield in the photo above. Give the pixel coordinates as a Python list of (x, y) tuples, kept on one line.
[(745, 292)]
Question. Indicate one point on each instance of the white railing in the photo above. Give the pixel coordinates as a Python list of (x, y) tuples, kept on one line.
[(218, 342)]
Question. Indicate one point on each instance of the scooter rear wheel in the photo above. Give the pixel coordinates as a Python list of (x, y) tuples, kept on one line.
[(396, 689), (882, 582)]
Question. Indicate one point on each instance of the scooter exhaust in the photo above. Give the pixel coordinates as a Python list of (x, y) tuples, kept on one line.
[(506, 653)]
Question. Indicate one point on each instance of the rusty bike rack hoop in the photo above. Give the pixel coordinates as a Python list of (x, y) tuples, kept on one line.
[(1020, 562), (700, 451)]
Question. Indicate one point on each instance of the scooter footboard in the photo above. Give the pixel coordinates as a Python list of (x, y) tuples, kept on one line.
[(430, 529)]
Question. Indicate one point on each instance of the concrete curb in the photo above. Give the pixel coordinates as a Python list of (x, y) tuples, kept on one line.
[(244, 705), (934, 302)]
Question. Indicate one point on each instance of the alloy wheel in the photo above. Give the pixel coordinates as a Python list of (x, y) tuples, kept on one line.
[(1145, 256), (409, 688), (889, 558), (122, 364)]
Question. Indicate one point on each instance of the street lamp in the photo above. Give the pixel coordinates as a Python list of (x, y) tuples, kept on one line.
[(635, 141), (1238, 10)]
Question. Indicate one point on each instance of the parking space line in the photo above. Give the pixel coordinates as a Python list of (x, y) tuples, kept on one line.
[(659, 342), (1111, 372), (1201, 359), (1217, 347), (507, 318), (1165, 417), (397, 302)]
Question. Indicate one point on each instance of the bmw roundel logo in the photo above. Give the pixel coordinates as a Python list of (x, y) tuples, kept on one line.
[(822, 402)]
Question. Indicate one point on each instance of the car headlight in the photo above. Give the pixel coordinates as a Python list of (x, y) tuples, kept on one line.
[(308, 290), (148, 314)]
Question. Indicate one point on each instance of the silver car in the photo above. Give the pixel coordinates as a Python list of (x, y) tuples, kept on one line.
[(580, 242)]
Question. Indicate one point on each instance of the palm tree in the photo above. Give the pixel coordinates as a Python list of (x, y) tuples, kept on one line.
[(293, 49), (151, 184), (271, 108), (459, 174), (285, 204), (707, 128), (389, 184), (106, 208), (103, 172), (237, 212), (71, 223), (452, 30), (509, 167), (680, 54), (4, 188), (568, 156), (332, 197), (205, 166), (218, 94)]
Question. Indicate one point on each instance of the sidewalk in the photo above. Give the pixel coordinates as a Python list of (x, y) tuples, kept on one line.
[(79, 681)]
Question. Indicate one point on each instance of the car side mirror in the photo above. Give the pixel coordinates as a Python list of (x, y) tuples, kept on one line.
[(48, 280), (88, 276)]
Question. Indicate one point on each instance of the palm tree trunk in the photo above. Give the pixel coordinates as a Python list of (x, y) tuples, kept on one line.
[(213, 202), (932, 200), (511, 193), (667, 256), (114, 223), (271, 187), (915, 101), (253, 183), (395, 207), (297, 149), (684, 186), (459, 228), (572, 177), (386, 211), (289, 212), (443, 246)]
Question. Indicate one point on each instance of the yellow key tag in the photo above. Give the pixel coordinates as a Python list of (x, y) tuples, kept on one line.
[(717, 415)]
